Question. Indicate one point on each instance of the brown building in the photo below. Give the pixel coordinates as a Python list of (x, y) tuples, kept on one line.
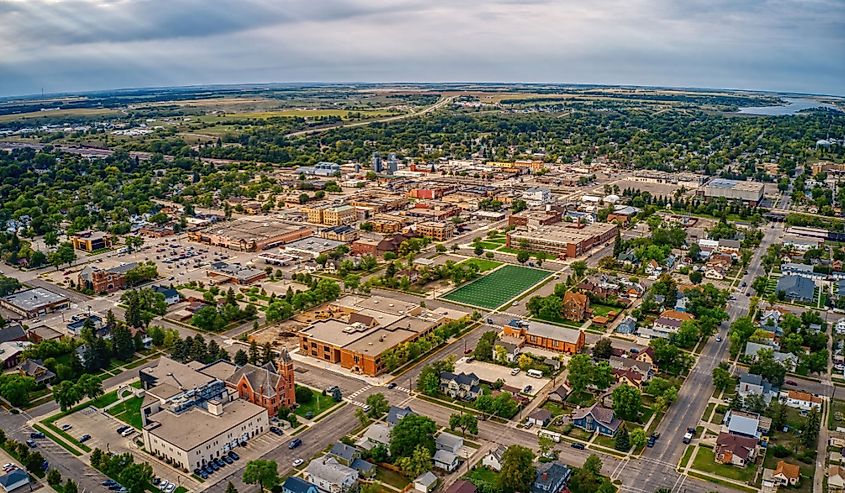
[(545, 336), (365, 246), (90, 241), (386, 226), (576, 306), (251, 235), (534, 218), (104, 281), (270, 386), (437, 230), (567, 241)]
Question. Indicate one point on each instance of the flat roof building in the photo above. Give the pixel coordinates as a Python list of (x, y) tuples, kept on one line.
[(747, 191), (251, 234), (235, 273), (565, 240), (35, 301), (312, 246)]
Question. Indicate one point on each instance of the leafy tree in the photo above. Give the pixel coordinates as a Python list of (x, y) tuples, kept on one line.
[(417, 463), (304, 395), (362, 416), (588, 478), (638, 438), (623, 440), (54, 478), (66, 394), (722, 378), (34, 462), (627, 403), (466, 423), (378, 405), (603, 348), (766, 366), (518, 471), (810, 428), (8, 285), (522, 256), (15, 388), (241, 358), (484, 348), (411, 431), (579, 267), (253, 352), (580, 372), (263, 472), (70, 487), (90, 386), (230, 488)]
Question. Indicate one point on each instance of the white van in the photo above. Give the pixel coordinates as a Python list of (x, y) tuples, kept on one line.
[(534, 373)]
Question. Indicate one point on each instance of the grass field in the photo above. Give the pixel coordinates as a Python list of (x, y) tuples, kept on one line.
[(318, 404), (483, 264), (501, 285), (129, 411)]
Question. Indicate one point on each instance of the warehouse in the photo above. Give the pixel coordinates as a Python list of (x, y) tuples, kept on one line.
[(33, 302), (251, 235), (747, 191)]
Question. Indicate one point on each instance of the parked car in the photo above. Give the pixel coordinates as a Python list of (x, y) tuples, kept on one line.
[(31, 443), (128, 431), (391, 385), (515, 371), (121, 429), (66, 427), (84, 438), (228, 460), (164, 483), (233, 455), (791, 382), (579, 446), (36, 435), (298, 462), (296, 442), (276, 431)]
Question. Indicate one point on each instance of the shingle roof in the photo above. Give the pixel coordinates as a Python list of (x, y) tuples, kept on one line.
[(297, 485), (600, 413), (738, 445), (12, 332)]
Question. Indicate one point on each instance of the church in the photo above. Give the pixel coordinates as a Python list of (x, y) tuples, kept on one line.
[(270, 386)]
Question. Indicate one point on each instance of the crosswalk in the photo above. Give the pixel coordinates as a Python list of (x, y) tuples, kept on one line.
[(358, 392)]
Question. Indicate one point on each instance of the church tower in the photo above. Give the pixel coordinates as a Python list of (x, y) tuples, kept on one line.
[(286, 390)]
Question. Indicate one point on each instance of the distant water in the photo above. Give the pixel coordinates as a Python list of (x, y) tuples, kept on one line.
[(791, 107)]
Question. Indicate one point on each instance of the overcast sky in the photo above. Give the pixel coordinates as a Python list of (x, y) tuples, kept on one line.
[(78, 45)]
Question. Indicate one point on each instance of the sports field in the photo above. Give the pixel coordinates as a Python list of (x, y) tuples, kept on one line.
[(501, 285)]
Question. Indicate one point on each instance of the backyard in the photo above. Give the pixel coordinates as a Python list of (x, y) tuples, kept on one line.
[(498, 287), (705, 462)]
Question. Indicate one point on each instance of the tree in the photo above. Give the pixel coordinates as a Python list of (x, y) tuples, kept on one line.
[(769, 368), (522, 256), (230, 488), (241, 358), (580, 372), (603, 348), (303, 395), (66, 394), (518, 471), (627, 403), (15, 388), (478, 250), (267, 354), (378, 405), (579, 267), (253, 352), (54, 478), (362, 416), (484, 347), (90, 386), (638, 438), (722, 378), (411, 431), (623, 440), (417, 463), (810, 429), (263, 472), (466, 422), (8, 285), (588, 478), (696, 277), (545, 444), (70, 487), (136, 476)]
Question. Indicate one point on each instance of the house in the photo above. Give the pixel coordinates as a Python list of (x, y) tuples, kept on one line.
[(801, 400), (627, 258), (295, 484), (540, 417), (78, 322), (445, 460), (10, 353), (12, 333), (746, 424), (835, 478), (511, 347), (645, 369), (331, 476), (426, 482), (365, 469), (394, 414), (788, 360), (465, 386), (100, 280), (14, 480), (751, 384), (575, 306), (786, 474), (596, 418), (628, 325), (560, 394), (171, 296), (345, 454), (377, 434), (493, 459), (735, 450), (628, 377), (461, 486), (796, 288), (35, 368), (652, 268), (551, 477), (448, 442), (646, 355)]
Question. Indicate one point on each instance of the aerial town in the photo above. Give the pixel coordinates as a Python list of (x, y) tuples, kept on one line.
[(422, 289)]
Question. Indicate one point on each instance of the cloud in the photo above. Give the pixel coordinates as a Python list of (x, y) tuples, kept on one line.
[(98, 44)]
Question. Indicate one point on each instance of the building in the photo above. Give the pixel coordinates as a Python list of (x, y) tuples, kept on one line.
[(576, 306), (796, 288), (271, 385), (91, 241), (295, 484), (43, 333), (746, 191), (171, 296), (552, 477), (735, 450), (537, 196), (494, 457), (346, 454), (190, 417), (436, 230), (534, 219), (312, 246), (333, 216), (35, 368), (666, 324), (563, 241), (545, 336), (344, 233), (235, 273), (751, 384), (14, 479), (784, 474), (443, 459), (251, 234), (10, 353), (12, 333), (460, 386), (596, 418), (33, 302), (363, 329), (461, 486), (745, 424), (322, 168), (104, 280), (426, 482), (540, 417), (331, 476), (801, 400)]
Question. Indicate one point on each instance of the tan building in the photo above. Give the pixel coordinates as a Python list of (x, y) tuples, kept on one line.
[(337, 216), (90, 241), (251, 234), (565, 240), (437, 230)]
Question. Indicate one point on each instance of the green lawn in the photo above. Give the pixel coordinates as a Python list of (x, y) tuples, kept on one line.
[(318, 404), (704, 462), (483, 264), (105, 399), (391, 478), (496, 288), (837, 410), (483, 476), (487, 245), (129, 411), (555, 408), (604, 310)]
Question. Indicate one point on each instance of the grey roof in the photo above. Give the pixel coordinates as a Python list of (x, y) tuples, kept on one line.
[(32, 299), (751, 379), (397, 413), (743, 425), (796, 287), (550, 477), (601, 414), (12, 332), (13, 479), (362, 466), (263, 379), (541, 414), (329, 469), (344, 451), (377, 432), (461, 378), (444, 456), (449, 440), (297, 485), (426, 479)]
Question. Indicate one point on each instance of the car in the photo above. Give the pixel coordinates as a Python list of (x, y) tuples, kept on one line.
[(298, 462), (66, 427), (36, 435), (791, 382), (691, 429), (31, 443), (367, 407), (655, 435), (115, 486), (84, 438), (128, 431), (203, 475), (170, 488), (227, 459), (107, 482), (220, 463), (207, 470), (468, 350), (331, 389), (515, 371), (296, 442), (276, 431), (528, 425), (391, 385), (718, 338), (45, 465), (650, 442), (688, 437), (233, 455), (514, 303), (163, 484), (527, 389), (214, 466), (579, 446)]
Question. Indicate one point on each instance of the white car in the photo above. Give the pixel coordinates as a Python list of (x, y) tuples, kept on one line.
[(298, 462), (164, 484), (515, 371), (170, 488)]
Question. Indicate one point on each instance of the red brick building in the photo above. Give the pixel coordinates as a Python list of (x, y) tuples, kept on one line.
[(270, 386)]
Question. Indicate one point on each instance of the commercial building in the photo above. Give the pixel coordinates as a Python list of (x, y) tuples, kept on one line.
[(90, 241), (336, 216), (251, 235), (437, 230), (543, 335), (747, 191), (534, 219), (223, 272), (312, 246), (33, 302), (565, 241), (322, 168), (104, 280), (362, 330), (343, 233), (191, 417)]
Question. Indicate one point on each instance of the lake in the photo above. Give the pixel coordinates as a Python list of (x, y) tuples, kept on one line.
[(791, 107)]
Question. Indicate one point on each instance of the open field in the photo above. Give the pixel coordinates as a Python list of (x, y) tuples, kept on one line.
[(501, 285), (71, 113), (483, 264), (129, 411)]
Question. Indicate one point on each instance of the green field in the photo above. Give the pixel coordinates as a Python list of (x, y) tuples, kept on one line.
[(129, 411), (501, 285), (483, 264)]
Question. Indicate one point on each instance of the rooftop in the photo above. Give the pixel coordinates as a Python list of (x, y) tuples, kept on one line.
[(196, 426), (34, 298)]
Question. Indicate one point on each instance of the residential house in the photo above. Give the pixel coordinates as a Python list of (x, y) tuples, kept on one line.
[(461, 486), (746, 424), (788, 360), (425, 483), (171, 296), (295, 484), (735, 450), (460, 386), (666, 324), (35, 368), (628, 325), (644, 368), (10, 353), (627, 258), (560, 394), (443, 459), (448, 442), (646, 355), (540, 417), (493, 459), (652, 268), (345, 454), (365, 469), (551, 477), (394, 414), (596, 418), (43, 333), (331, 476), (12, 332), (786, 474), (576, 306), (511, 347), (835, 478), (375, 435), (752, 384), (801, 400), (796, 288)]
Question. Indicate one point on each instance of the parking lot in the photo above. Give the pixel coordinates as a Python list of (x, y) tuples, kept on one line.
[(490, 372)]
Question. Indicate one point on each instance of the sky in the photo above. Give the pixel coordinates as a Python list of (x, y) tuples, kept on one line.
[(82, 45)]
